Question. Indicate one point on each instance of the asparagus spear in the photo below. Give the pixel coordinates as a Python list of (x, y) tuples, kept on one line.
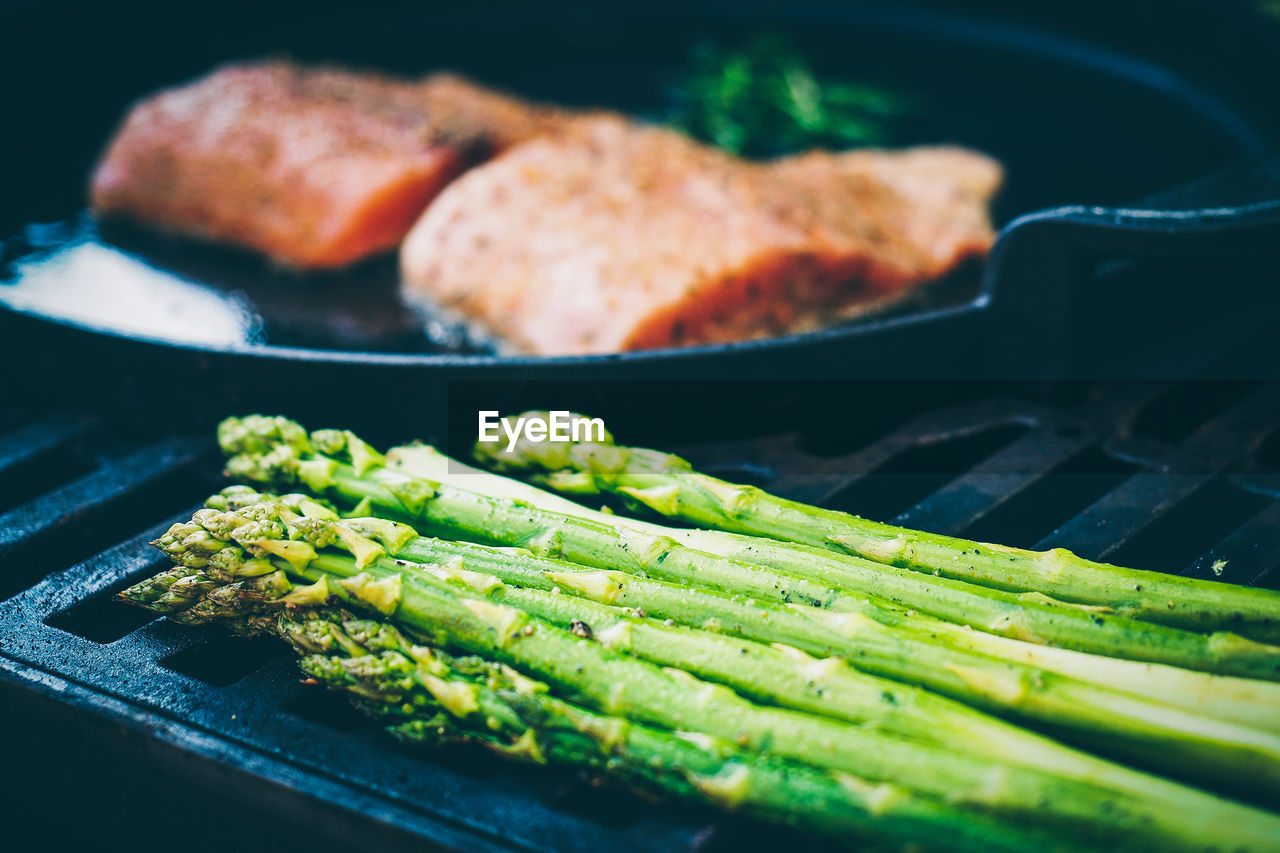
[(170, 591), (342, 466), (1133, 725), (670, 486), (622, 684), (788, 677), (777, 674), (1245, 701), (432, 696), (1063, 702)]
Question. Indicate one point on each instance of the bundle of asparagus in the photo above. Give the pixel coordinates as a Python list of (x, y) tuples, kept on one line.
[(670, 486), (680, 662), (429, 697)]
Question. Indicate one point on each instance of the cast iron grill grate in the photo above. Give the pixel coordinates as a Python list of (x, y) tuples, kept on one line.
[(1140, 474)]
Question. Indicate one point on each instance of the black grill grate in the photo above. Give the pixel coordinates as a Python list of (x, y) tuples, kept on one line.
[(1130, 472)]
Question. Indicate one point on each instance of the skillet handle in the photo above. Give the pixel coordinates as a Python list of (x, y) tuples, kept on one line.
[(1032, 279), (1232, 211)]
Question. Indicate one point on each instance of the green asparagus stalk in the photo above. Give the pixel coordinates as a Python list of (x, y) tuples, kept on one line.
[(786, 676), (1059, 702), (1246, 701), (619, 684), (779, 675), (170, 591), (1134, 725), (669, 485), (343, 467), (432, 696), (586, 543)]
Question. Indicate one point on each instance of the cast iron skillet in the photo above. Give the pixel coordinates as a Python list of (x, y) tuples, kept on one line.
[(1071, 122)]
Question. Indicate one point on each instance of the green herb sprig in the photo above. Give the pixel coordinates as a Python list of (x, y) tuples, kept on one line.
[(763, 98)]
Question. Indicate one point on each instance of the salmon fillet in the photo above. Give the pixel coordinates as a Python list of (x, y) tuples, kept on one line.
[(609, 236), (313, 167)]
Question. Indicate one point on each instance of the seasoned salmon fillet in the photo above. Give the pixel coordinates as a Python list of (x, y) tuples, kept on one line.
[(610, 236), (314, 167)]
